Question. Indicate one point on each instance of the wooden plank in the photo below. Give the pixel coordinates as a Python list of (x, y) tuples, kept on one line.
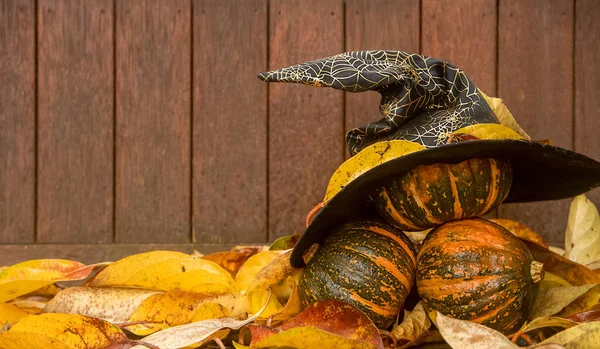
[(75, 121), (17, 120), (370, 27), (463, 33), (536, 80), (587, 80), (230, 121), (95, 253), (305, 124), (153, 121)]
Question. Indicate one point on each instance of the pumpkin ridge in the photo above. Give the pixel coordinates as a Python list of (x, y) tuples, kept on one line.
[(405, 203), (493, 189), (466, 285), (494, 312), (389, 267), (458, 211), (408, 249), (390, 208), (418, 202), (378, 309)]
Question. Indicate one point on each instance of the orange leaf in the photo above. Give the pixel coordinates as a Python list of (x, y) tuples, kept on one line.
[(520, 230), (230, 261)]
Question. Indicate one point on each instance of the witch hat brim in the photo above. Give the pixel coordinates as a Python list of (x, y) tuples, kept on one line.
[(540, 172)]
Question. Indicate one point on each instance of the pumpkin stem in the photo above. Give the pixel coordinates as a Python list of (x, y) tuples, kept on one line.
[(312, 212), (537, 271)]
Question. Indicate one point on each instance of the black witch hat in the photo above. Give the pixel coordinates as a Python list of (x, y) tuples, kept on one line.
[(426, 101)]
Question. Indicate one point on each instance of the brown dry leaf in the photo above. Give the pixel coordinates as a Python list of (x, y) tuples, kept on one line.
[(114, 304), (272, 273), (32, 275), (551, 301), (228, 260), (196, 332), (574, 273), (586, 335), (520, 230), (10, 314), (61, 331), (461, 334), (326, 324), (166, 271), (585, 316), (413, 328)]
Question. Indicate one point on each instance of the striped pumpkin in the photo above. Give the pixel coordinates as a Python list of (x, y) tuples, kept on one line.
[(476, 270), (368, 264), (430, 195)]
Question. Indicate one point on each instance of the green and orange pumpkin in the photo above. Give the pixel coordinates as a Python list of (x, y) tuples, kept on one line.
[(476, 270), (430, 195), (368, 264)]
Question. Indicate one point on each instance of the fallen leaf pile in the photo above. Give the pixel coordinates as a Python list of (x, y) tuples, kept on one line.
[(248, 298)]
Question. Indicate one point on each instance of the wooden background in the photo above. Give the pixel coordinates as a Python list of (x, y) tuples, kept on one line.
[(129, 125)]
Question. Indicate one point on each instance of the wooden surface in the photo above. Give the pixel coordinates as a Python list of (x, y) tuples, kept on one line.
[(535, 71), (365, 30), (587, 81), (75, 121), (17, 121), (142, 123), (153, 65), (230, 122), (306, 133)]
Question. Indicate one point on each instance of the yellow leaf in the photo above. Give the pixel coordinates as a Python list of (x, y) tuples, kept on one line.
[(61, 331), (253, 266), (163, 310), (272, 273), (256, 298), (582, 239), (365, 160), (167, 270), (29, 276), (10, 314), (551, 280), (504, 115), (196, 332), (207, 311), (553, 300), (584, 302), (488, 131), (548, 321), (293, 306), (229, 260), (29, 306), (461, 334), (310, 338), (176, 308), (114, 304), (414, 327), (586, 335)]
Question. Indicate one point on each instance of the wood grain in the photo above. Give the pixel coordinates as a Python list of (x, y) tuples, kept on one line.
[(230, 121), (370, 27), (17, 121), (464, 34), (305, 123), (153, 63), (75, 121), (535, 70), (587, 80), (96, 253)]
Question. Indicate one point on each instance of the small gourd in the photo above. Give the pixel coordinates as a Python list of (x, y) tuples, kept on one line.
[(368, 264), (476, 270), (430, 195)]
